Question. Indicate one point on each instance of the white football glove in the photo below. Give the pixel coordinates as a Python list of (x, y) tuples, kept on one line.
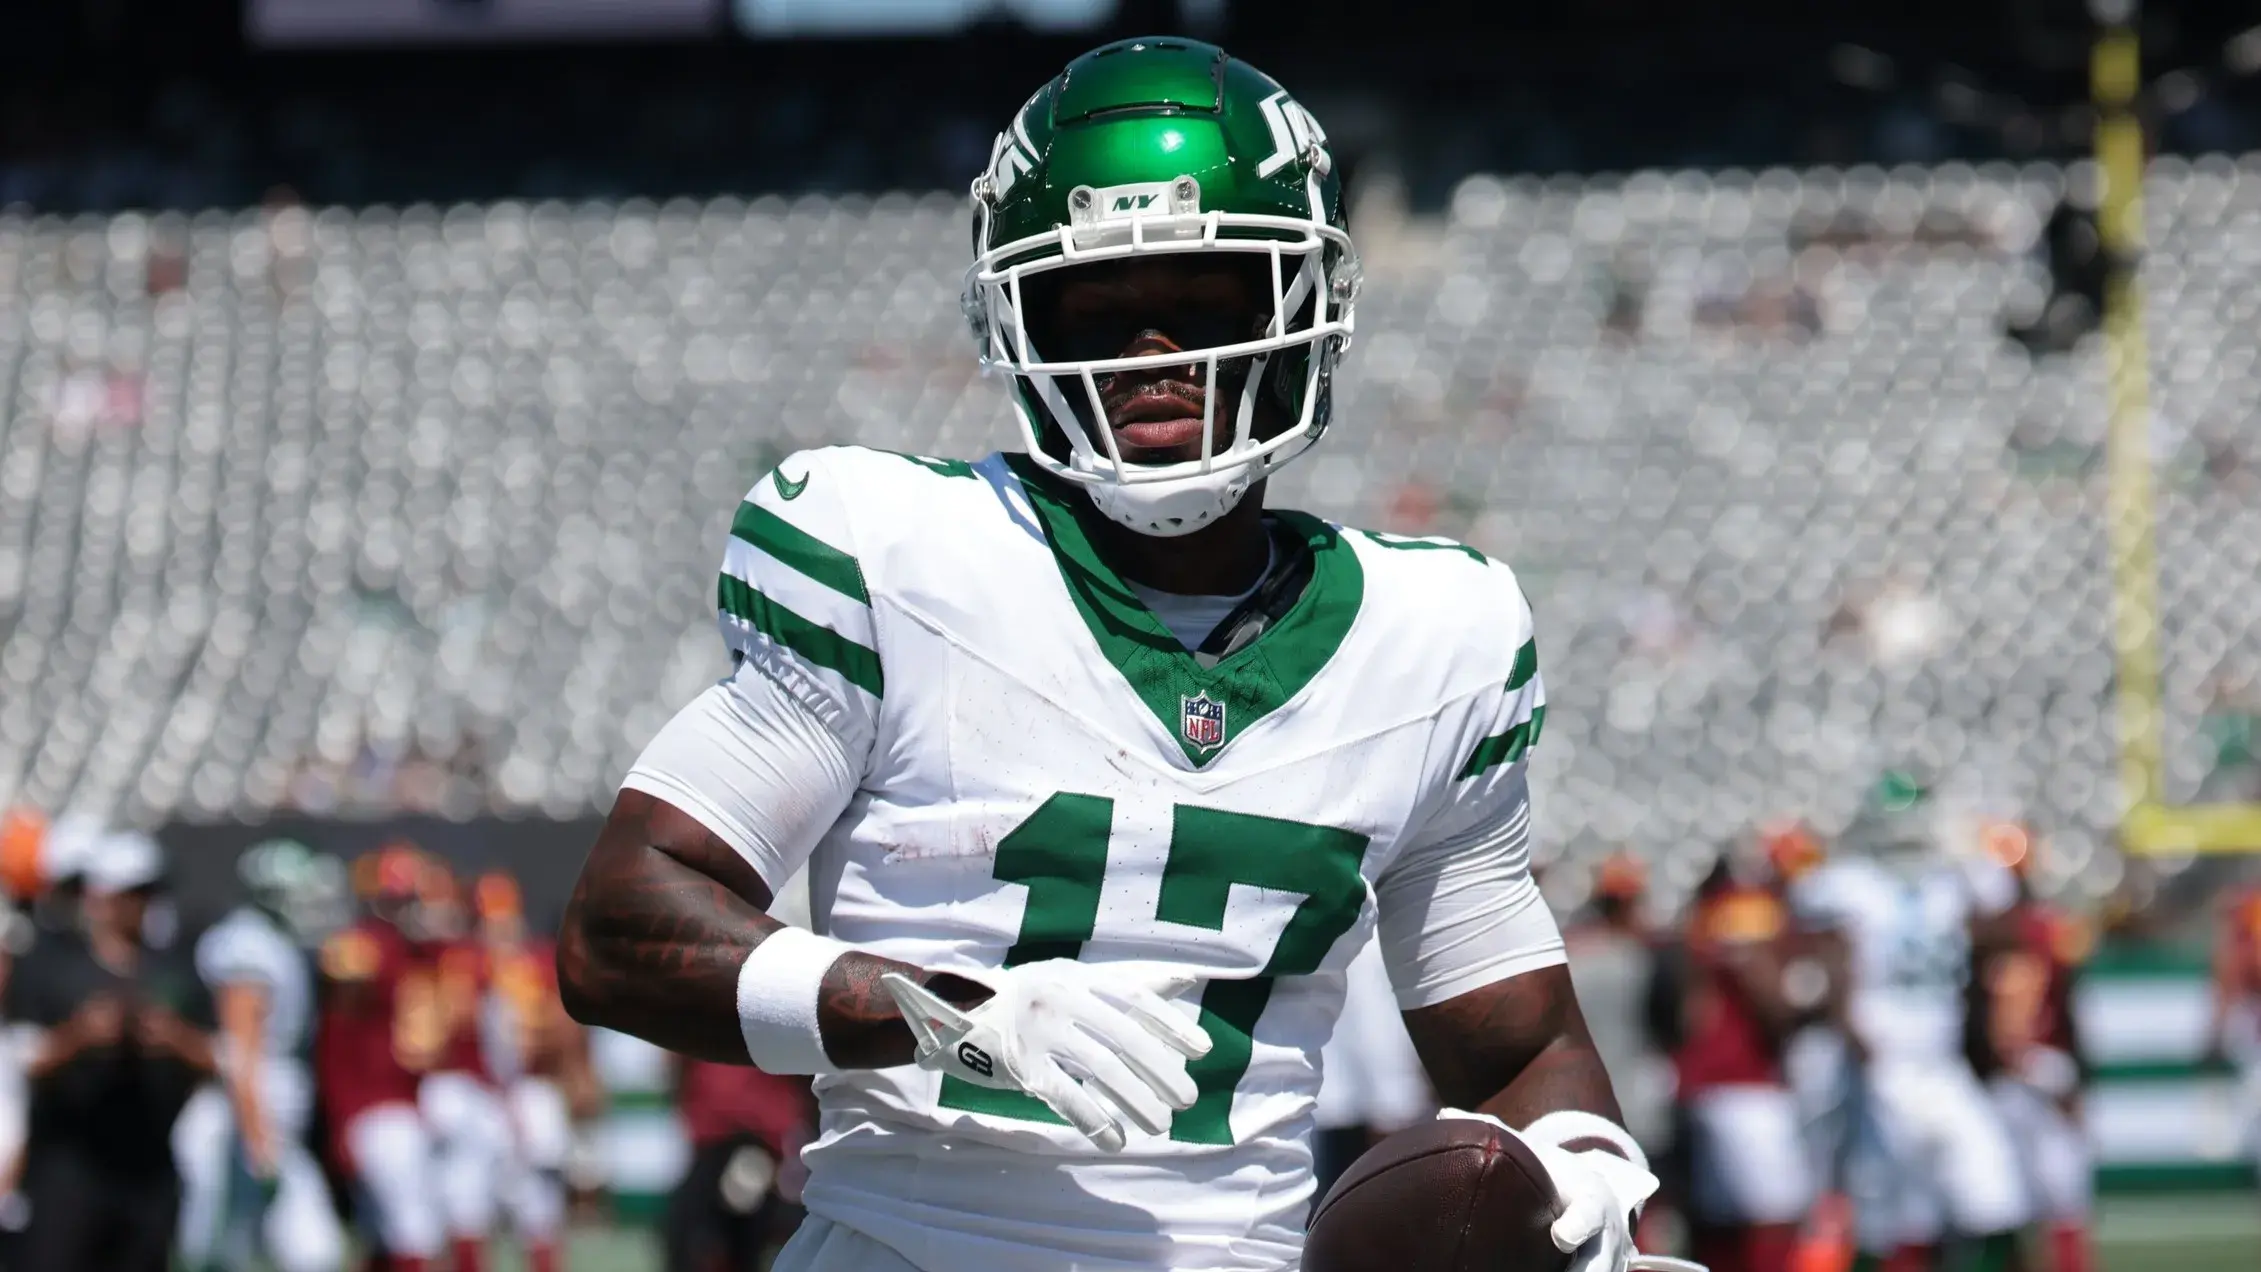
[(1600, 1194), (1096, 1042)]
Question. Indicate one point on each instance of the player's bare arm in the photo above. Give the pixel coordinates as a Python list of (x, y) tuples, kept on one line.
[(1516, 1049), (242, 1008), (662, 919)]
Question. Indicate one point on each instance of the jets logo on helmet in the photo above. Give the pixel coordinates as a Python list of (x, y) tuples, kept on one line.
[(1158, 147), (1295, 135)]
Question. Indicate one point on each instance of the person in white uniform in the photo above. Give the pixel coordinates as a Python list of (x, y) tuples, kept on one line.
[(1104, 772), (1931, 1159), (251, 1186)]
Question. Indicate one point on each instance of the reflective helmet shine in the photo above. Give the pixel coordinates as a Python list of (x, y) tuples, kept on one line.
[(1147, 148)]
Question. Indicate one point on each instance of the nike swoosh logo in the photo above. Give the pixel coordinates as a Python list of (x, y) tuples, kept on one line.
[(788, 489)]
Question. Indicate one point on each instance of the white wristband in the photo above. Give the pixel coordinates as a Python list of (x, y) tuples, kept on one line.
[(777, 998)]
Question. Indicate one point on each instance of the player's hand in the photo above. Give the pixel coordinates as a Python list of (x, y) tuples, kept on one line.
[(1095, 1042), (1600, 1193), (99, 1022), (159, 1029)]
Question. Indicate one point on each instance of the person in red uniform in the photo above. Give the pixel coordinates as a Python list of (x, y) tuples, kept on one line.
[(539, 1058), (2026, 1045), (1750, 1177), (462, 1106), (740, 1197), (1823, 1054), (2235, 1035), (378, 1033)]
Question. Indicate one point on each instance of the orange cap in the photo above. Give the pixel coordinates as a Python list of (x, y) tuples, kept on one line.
[(23, 834), (1622, 877), (496, 896), (391, 872), (1791, 849)]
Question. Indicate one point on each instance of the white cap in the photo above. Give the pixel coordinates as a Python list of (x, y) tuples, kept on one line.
[(124, 860), (70, 846)]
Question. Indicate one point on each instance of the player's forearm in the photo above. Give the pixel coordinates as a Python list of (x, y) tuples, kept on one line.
[(1517, 1050), (660, 925), (243, 1095)]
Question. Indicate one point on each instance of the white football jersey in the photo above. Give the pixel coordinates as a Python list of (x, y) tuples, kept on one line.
[(1909, 940), (1046, 772), (249, 946)]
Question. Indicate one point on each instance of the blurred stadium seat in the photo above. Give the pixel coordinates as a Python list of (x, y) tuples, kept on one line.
[(418, 508)]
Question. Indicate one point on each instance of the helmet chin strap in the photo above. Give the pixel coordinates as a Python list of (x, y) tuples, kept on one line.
[(1170, 509)]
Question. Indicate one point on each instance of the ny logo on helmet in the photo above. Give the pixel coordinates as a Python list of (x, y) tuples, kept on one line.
[(1295, 135)]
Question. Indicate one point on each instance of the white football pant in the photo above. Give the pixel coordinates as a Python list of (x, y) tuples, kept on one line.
[(541, 1145), (2060, 1168), (821, 1245), (393, 1165), (1749, 1163), (471, 1150), (1933, 1157), (222, 1221)]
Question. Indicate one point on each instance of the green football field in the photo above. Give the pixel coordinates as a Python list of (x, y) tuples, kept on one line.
[(2208, 1233)]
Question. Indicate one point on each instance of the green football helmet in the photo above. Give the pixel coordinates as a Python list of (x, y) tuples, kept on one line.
[(1153, 147), (304, 890)]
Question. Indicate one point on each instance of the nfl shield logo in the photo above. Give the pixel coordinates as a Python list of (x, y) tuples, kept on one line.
[(1203, 721)]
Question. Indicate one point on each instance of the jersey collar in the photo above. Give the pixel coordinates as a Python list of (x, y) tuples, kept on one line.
[(1203, 708)]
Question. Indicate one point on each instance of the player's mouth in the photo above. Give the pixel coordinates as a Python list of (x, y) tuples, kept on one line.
[(1158, 424)]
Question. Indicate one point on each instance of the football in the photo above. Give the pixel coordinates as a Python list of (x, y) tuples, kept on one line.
[(1455, 1195)]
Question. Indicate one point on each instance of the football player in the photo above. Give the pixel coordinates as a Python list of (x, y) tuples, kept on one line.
[(2027, 1043), (1751, 1179), (251, 1184), (1931, 1158), (462, 1104), (1103, 769), (540, 1061), (383, 1026), (2234, 1034)]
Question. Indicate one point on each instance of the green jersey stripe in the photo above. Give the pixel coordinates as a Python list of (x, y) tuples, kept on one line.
[(801, 550), (822, 646), (1508, 747), (1526, 665)]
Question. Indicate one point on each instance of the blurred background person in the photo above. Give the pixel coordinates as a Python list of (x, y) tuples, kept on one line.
[(2233, 1035), (124, 1043), (254, 1188), (379, 1031), (1930, 1160), (540, 1060), (1750, 1179), (2024, 1036), (463, 1106), (739, 1200), (1613, 953), (1615, 964)]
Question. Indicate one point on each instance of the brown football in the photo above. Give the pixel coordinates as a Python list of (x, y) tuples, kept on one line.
[(1456, 1195)]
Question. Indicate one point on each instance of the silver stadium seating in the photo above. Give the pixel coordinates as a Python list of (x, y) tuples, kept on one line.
[(333, 509)]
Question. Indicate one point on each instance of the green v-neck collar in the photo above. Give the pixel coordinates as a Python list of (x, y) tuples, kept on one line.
[(1204, 708)]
